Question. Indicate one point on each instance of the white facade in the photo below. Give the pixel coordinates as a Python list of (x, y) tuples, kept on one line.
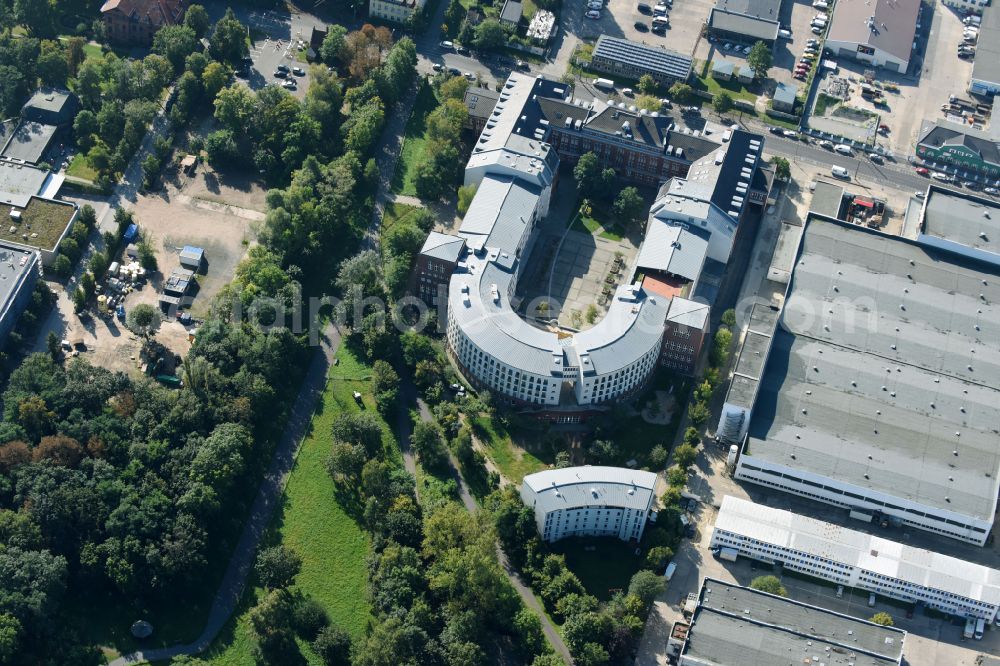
[(856, 559), (872, 55), (850, 496), (397, 12), (589, 501)]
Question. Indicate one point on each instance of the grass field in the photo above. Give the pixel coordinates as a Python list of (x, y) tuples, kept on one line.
[(713, 86), (396, 212), (312, 522), (414, 142), (608, 566), (513, 461), (600, 222), (79, 167)]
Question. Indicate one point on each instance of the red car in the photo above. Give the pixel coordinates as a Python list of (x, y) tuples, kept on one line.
[(923, 172)]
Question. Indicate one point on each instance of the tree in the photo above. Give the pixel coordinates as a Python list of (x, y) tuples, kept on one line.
[(646, 585), (698, 412), (782, 171), (722, 102), (143, 319), (489, 35), (277, 566), (214, 78), (760, 59), (74, 54), (197, 19), (769, 584), (221, 148), (685, 455), (428, 443), (35, 15), (629, 205), (657, 457), (586, 172), (720, 346), (333, 44), (454, 87), (79, 300), (175, 43), (882, 618), (648, 102), (658, 557), (51, 65), (548, 660), (729, 317), (677, 476), (333, 646), (385, 381), (10, 630), (647, 84), (228, 41), (681, 92)]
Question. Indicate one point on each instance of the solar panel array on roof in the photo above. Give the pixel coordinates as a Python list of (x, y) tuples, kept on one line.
[(651, 58)]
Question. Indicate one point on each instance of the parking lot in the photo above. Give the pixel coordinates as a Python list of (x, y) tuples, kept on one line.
[(619, 17), (267, 54)]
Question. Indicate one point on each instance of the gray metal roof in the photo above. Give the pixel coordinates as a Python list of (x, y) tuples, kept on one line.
[(987, 65), (736, 625), (673, 249), (866, 552), (445, 247), (749, 26), (962, 218), (785, 92), (49, 99), (500, 212), (688, 313), (15, 264), (892, 30), (19, 182), (767, 9), (579, 487), (512, 11), (941, 133), (29, 141), (889, 362), (650, 58), (480, 101), (723, 67)]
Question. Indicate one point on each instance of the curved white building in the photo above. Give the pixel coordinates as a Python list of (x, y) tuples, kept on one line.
[(590, 501)]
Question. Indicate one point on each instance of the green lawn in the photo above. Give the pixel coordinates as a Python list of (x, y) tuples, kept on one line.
[(600, 222), (513, 461), (79, 167), (316, 525), (713, 86), (634, 437), (395, 213), (414, 142), (607, 567)]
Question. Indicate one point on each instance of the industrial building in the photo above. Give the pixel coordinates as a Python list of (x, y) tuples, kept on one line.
[(985, 78), (734, 625), (622, 57), (746, 20), (590, 501), (20, 269), (877, 32), (964, 224), (880, 391), (855, 559)]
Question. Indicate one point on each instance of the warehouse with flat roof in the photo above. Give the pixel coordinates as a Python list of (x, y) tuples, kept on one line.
[(877, 32), (855, 559), (986, 68), (962, 223), (880, 391), (738, 625), (746, 20)]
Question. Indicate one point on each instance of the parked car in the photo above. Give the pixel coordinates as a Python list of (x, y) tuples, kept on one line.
[(840, 172), (455, 71), (298, 71), (470, 76), (789, 134), (776, 130), (800, 74), (876, 158), (727, 47), (821, 4), (628, 92), (693, 110), (289, 84), (437, 67), (644, 8), (279, 74), (843, 149), (282, 68), (991, 190), (659, 9), (812, 42), (816, 30), (943, 177), (640, 26), (784, 34), (593, 14), (921, 171), (826, 144), (971, 184), (447, 45), (918, 194)]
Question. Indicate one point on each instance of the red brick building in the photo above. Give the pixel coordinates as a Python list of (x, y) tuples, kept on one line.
[(136, 21)]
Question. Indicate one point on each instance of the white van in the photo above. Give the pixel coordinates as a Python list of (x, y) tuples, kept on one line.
[(871, 599), (843, 149), (669, 573), (785, 34), (840, 172), (980, 626)]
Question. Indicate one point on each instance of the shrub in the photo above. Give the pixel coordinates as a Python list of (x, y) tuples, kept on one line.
[(769, 584)]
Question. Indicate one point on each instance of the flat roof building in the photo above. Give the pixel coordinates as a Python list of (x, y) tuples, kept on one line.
[(856, 559), (511, 13), (961, 223), (986, 68), (622, 57), (880, 32), (29, 141), (746, 20), (19, 268), (51, 106), (738, 626), (590, 501), (882, 386)]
